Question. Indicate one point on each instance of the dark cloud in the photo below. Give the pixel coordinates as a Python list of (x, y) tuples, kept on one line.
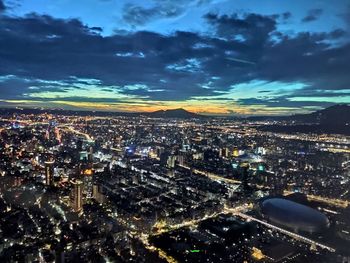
[(137, 15), (252, 30), (286, 15), (307, 58), (2, 6), (57, 55), (312, 15)]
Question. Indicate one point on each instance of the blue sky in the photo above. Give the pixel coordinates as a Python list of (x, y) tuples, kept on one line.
[(208, 56), (108, 14)]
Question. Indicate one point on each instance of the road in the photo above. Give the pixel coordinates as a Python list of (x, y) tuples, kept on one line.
[(330, 201), (71, 129), (212, 176)]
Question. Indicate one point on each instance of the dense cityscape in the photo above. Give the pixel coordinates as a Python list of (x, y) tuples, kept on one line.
[(142, 189)]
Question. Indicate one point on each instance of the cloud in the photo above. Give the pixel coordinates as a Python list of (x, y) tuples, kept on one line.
[(251, 30), (2, 6), (49, 58), (136, 15), (312, 15), (286, 15)]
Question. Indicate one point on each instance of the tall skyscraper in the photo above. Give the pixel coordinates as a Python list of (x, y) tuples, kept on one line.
[(49, 170), (76, 197)]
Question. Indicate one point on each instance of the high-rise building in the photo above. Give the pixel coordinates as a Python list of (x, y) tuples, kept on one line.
[(91, 155), (80, 145), (224, 152), (245, 175), (97, 192), (171, 161), (164, 158), (76, 197), (49, 170)]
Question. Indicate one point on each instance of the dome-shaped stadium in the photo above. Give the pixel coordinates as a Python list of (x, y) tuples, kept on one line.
[(295, 216)]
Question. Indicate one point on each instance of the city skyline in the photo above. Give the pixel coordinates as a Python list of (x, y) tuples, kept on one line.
[(214, 57)]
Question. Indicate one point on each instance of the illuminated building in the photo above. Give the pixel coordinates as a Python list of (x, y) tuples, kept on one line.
[(198, 156), (76, 197), (49, 170), (261, 151), (83, 156), (261, 167), (235, 152), (257, 254)]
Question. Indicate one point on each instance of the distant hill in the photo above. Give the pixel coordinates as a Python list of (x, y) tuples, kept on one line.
[(337, 115), (175, 113), (334, 119)]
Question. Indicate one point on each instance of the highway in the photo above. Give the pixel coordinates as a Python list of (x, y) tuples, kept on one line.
[(67, 126), (27, 122), (193, 223)]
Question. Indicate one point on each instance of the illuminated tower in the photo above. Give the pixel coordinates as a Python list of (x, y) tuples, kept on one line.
[(76, 197), (49, 170)]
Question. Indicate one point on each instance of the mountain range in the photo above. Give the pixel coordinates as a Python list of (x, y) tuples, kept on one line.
[(175, 113), (338, 114), (331, 120)]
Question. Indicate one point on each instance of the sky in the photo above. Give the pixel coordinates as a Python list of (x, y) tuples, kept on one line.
[(219, 57)]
